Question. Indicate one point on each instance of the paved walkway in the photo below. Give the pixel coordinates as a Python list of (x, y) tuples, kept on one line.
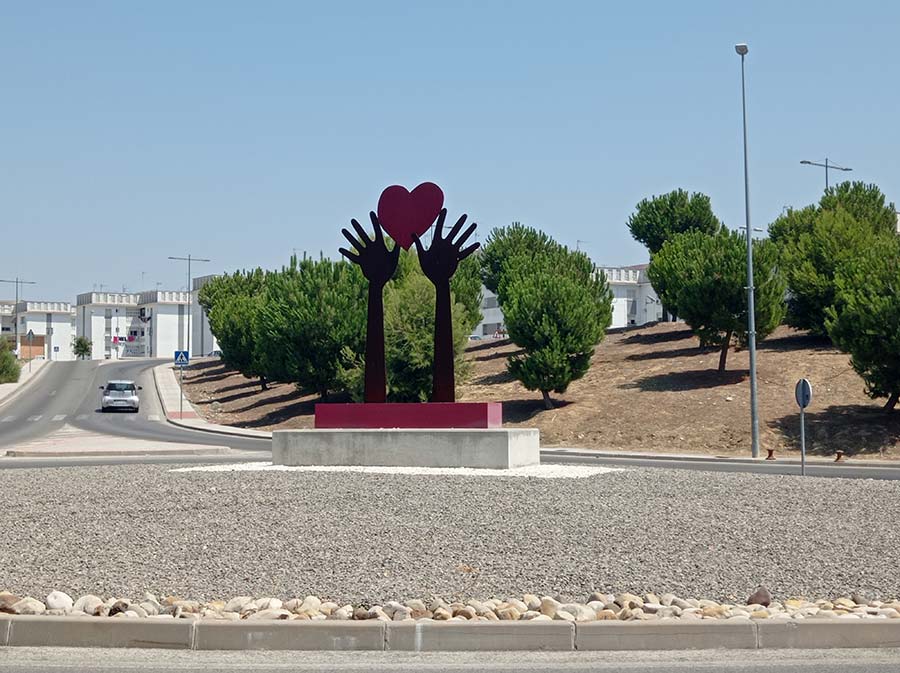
[(29, 371), (173, 402), (72, 441)]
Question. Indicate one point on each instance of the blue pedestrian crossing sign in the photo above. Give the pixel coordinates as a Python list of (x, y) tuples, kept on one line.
[(181, 358)]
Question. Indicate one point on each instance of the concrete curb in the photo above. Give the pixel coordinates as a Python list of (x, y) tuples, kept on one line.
[(695, 458), (431, 636), (426, 635), (11, 395), (205, 451), (200, 424)]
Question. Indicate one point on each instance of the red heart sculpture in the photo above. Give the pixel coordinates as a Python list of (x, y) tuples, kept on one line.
[(403, 213)]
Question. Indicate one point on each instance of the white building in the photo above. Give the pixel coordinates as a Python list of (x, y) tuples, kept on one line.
[(492, 321), (7, 318), (634, 301), (110, 321), (202, 340), (165, 314), (51, 324), (144, 324)]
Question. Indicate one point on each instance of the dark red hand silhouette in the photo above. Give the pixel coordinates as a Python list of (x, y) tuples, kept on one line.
[(376, 261), (378, 265), (442, 258), (439, 262)]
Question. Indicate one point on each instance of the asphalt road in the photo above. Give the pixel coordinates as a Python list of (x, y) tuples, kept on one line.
[(30, 660), (68, 393)]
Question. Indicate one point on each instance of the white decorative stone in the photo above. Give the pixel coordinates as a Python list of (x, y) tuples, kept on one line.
[(59, 600), (28, 606)]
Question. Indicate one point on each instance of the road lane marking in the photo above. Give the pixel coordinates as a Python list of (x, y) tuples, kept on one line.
[(32, 419), (81, 417), (52, 393), (153, 417), (8, 419), (59, 417), (130, 419)]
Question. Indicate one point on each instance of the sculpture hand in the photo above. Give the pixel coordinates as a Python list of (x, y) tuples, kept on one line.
[(376, 261), (442, 258)]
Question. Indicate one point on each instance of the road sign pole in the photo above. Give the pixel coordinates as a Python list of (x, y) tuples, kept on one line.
[(803, 394), (181, 396), (802, 442)]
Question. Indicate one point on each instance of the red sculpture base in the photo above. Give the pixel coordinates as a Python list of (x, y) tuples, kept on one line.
[(411, 415)]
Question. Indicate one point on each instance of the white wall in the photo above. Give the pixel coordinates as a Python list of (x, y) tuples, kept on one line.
[(169, 329), (57, 340), (202, 339), (491, 315)]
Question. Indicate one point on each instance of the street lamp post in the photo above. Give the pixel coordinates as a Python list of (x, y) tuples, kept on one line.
[(18, 281), (826, 166), (742, 50), (189, 259)]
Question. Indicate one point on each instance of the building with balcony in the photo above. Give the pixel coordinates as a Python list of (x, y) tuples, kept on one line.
[(110, 321), (165, 315), (7, 318), (634, 301)]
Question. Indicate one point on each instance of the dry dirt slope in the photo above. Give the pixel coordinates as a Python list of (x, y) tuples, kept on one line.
[(649, 389)]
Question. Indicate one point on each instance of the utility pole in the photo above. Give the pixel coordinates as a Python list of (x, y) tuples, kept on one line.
[(189, 259), (742, 50), (18, 281)]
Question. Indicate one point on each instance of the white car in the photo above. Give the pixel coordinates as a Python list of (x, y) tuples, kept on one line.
[(120, 395)]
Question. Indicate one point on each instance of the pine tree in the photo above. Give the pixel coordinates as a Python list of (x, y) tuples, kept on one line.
[(557, 319), (814, 242), (706, 276), (865, 317)]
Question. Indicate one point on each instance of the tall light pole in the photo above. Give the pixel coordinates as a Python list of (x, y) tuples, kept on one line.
[(18, 281), (189, 259), (742, 50), (826, 166)]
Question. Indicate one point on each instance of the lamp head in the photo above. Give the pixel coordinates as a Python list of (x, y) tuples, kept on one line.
[(742, 49)]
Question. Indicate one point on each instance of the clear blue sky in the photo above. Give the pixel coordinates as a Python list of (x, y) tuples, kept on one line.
[(239, 131)]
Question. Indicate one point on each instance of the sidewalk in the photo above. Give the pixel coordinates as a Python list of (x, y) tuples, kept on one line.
[(30, 372), (173, 401)]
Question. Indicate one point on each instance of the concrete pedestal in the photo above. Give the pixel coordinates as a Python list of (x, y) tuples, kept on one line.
[(483, 448)]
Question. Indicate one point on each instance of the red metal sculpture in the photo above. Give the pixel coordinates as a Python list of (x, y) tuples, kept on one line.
[(406, 216)]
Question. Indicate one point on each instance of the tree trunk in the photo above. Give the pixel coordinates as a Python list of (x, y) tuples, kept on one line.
[(892, 401), (548, 403), (723, 354)]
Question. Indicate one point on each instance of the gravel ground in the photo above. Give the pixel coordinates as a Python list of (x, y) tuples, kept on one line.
[(122, 530)]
